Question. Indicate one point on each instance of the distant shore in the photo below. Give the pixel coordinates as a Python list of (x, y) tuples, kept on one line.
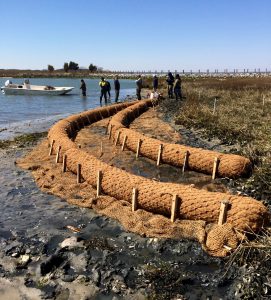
[(7, 73), (48, 74)]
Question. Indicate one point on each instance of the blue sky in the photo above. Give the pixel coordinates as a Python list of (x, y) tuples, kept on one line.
[(136, 34)]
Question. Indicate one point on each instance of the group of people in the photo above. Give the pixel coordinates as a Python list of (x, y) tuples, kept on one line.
[(105, 88), (173, 87)]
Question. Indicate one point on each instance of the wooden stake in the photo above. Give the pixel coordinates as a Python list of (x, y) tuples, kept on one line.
[(99, 182), (223, 212), (216, 162), (51, 148), (124, 142), (107, 126), (110, 131), (185, 161), (159, 154), (174, 207), (139, 143), (117, 139), (58, 154), (134, 199), (64, 164), (78, 173), (101, 148)]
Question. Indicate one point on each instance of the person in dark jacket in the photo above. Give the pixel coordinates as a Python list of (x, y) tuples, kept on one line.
[(108, 86), (117, 88), (103, 86), (83, 87), (170, 82), (155, 83), (139, 85), (177, 87)]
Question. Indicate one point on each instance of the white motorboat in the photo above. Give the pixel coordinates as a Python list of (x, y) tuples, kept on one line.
[(29, 89)]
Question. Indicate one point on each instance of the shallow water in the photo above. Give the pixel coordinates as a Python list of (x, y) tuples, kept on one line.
[(27, 114)]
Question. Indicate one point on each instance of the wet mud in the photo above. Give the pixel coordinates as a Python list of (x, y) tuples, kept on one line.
[(101, 260), (90, 139)]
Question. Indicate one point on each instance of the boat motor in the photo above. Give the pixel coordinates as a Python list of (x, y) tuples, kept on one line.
[(7, 83), (27, 84)]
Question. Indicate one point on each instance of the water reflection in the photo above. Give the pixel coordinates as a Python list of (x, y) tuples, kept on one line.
[(84, 103)]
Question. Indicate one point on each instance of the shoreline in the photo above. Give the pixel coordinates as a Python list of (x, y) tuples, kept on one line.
[(9, 131), (26, 127), (99, 258), (106, 259)]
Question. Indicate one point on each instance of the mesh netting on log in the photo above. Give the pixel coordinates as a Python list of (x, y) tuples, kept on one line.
[(199, 160), (244, 213), (65, 130)]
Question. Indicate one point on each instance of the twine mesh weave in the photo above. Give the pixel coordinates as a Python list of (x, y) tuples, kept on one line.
[(199, 160), (244, 213)]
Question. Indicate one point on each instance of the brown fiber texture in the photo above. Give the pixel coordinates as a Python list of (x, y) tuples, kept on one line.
[(199, 160), (244, 213), (50, 178)]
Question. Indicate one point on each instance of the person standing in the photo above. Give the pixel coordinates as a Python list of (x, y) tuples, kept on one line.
[(108, 87), (177, 87), (155, 83), (103, 86), (117, 88), (139, 84), (170, 82), (83, 88)]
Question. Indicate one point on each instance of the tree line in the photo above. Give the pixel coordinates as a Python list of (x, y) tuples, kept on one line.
[(72, 66)]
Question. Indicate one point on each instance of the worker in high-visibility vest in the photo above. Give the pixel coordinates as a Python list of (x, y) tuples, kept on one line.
[(103, 86)]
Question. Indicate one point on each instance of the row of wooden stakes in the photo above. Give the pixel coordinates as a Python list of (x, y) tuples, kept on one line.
[(175, 199), (224, 204), (99, 183), (160, 149)]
